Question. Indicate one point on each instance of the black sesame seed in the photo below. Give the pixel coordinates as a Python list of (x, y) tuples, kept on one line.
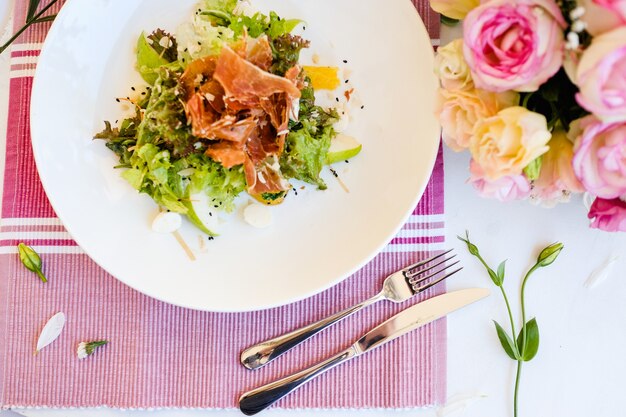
[(337, 98), (199, 43), (347, 162), (211, 214), (345, 61), (347, 81), (303, 27), (132, 88), (117, 99), (216, 206), (362, 107)]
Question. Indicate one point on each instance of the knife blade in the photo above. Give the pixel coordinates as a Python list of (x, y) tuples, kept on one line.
[(402, 323)]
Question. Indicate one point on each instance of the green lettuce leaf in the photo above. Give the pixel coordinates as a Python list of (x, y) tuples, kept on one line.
[(286, 52), (258, 24), (164, 122), (305, 154), (154, 51), (201, 37)]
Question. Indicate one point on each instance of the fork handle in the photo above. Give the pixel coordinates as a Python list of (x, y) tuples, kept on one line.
[(262, 353), (259, 399)]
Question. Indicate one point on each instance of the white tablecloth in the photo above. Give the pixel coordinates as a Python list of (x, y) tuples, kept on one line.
[(580, 366)]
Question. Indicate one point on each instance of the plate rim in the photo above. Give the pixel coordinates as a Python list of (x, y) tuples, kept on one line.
[(432, 158)]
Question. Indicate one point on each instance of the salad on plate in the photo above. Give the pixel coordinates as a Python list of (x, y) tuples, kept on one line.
[(228, 109)]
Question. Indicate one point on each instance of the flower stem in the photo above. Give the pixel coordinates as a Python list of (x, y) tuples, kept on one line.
[(523, 307), (29, 22), (508, 308), (517, 380)]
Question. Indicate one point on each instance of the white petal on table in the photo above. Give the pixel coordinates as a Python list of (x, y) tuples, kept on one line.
[(601, 273), (51, 331)]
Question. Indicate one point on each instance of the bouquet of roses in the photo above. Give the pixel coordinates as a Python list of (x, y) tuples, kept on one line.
[(536, 91)]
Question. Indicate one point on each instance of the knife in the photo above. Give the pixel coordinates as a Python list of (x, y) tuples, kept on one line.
[(402, 323)]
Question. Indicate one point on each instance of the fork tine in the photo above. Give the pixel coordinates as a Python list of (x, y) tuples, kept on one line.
[(435, 282), (421, 271), (424, 262), (413, 281)]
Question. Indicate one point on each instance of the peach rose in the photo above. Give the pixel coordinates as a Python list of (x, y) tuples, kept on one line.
[(458, 112), (504, 144), (451, 68), (557, 179), (455, 9)]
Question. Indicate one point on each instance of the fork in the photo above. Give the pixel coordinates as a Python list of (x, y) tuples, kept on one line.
[(397, 287)]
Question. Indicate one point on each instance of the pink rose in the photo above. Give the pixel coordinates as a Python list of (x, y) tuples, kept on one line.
[(608, 215), (514, 44), (557, 179), (600, 157), (603, 15), (601, 76), (507, 188)]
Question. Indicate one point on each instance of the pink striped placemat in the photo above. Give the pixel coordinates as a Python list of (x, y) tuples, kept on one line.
[(161, 356)]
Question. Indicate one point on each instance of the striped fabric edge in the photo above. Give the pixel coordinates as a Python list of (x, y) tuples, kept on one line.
[(23, 60), (17, 408), (420, 233)]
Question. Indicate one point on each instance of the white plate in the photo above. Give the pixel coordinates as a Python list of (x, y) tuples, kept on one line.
[(318, 238)]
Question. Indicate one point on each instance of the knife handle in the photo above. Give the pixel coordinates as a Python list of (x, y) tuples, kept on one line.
[(260, 398), (262, 353)]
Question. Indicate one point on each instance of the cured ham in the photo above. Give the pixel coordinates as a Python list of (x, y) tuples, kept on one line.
[(242, 111), (247, 83)]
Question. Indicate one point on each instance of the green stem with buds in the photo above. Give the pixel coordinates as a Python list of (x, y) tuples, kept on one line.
[(524, 347)]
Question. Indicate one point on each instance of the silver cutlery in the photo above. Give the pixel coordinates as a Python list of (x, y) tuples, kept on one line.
[(402, 323), (397, 287)]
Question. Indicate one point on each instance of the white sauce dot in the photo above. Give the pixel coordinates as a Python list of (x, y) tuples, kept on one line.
[(257, 215)]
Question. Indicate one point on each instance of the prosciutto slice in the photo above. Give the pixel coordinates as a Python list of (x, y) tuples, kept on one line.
[(247, 83), (232, 102)]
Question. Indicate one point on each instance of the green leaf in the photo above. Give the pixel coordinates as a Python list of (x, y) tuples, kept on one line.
[(31, 260), (448, 21), (506, 342), (533, 169), (501, 268), (494, 277), (33, 5), (49, 18), (529, 350)]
